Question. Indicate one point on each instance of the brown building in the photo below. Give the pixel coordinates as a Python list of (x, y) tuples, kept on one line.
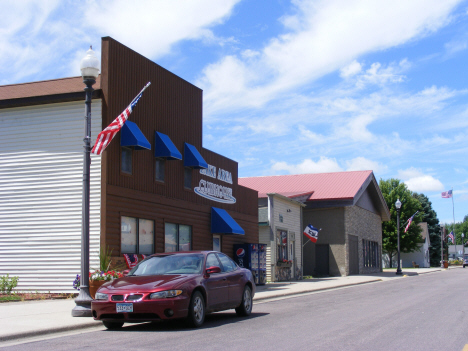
[(171, 197)]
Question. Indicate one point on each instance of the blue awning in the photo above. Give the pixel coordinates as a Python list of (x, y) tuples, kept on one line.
[(192, 157), (132, 136), (164, 147), (223, 223)]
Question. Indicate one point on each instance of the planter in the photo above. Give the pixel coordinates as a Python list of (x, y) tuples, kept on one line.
[(94, 285), (445, 264), (283, 264)]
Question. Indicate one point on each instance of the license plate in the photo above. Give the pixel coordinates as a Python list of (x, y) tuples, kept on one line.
[(124, 307)]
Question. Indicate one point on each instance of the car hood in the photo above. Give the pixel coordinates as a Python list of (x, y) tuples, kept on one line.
[(148, 283)]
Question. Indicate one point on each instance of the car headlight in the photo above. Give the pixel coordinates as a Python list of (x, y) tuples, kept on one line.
[(164, 294), (101, 296)]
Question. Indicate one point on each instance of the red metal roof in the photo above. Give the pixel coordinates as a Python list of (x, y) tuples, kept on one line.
[(323, 186)]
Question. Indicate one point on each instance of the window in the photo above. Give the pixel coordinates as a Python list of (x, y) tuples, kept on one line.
[(281, 244), (188, 177), (159, 169), (370, 253), (126, 160), (178, 237), (212, 261), (137, 235), (281, 218), (228, 264)]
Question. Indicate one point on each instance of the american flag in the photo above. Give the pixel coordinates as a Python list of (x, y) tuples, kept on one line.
[(447, 194), (106, 136), (451, 236), (131, 260), (410, 220)]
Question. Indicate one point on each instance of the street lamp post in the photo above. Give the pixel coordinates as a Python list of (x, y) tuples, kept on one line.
[(89, 71), (398, 206)]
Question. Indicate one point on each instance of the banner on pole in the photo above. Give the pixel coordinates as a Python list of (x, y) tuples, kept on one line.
[(311, 232)]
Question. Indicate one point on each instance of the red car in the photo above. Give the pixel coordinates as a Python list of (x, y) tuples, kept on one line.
[(175, 285)]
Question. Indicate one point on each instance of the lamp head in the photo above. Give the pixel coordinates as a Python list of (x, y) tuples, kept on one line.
[(398, 204), (89, 65)]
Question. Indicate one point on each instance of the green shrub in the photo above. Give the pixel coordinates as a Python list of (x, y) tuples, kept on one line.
[(7, 284)]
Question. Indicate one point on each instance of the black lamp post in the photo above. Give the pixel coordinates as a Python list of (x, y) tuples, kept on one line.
[(89, 71), (398, 206)]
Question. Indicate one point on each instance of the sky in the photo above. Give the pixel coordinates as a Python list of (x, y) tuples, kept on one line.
[(289, 87)]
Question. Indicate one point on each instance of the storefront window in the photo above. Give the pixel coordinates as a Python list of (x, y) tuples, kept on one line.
[(137, 236), (159, 169), (282, 245), (129, 235), (126, 160), (178, 237), (145, 236)]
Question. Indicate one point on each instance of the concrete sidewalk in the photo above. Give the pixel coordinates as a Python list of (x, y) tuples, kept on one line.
[(33, 318)]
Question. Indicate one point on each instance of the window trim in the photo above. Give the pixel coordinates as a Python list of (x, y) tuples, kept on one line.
[(121, 160), (163, 160), (178, 236), (138, 235)]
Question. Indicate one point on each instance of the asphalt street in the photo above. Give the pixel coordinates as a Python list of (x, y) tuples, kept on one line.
[(426, 312)]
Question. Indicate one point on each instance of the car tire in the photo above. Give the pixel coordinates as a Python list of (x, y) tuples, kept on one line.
[(196, 315), (463, 266), (113, 325), (245, 308)]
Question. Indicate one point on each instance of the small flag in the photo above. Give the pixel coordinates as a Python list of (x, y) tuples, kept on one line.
[(105, 137), (447, 194), (451, 237), (410, 220), (131, 260), (311, 233)]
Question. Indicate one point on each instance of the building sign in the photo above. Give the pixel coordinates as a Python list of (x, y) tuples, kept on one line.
[(216, 192)]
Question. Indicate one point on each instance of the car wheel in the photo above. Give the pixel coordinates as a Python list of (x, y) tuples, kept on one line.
[(112, 325), (196, 315), (245, 307)]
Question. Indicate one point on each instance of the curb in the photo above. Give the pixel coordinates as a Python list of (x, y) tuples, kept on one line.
[(48, 331), (313, 290)]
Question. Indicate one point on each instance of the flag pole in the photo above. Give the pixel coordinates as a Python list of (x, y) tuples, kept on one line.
[(142, 90), (454, 235)]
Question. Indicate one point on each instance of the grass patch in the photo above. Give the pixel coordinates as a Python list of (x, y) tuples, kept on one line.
[(7, 298)]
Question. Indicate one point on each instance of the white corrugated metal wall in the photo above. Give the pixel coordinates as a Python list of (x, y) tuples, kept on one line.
[(41, 173)]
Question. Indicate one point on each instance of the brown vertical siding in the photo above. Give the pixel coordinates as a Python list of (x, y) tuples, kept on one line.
[(174, 107)]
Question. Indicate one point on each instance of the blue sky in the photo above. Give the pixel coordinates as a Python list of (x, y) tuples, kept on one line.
[(289, 86)]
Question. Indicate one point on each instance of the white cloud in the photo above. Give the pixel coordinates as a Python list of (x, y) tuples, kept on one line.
[(417, 181), (323, 165), (321, 37), (363, 164), (350, 70), (153, 27)]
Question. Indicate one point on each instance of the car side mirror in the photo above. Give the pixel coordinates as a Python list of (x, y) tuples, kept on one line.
[(213, 270), (125, 272)]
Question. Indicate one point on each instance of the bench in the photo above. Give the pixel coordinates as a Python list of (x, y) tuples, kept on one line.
[(415, 265)]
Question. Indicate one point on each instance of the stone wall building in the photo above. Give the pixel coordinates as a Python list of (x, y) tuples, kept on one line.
[(349, 209)]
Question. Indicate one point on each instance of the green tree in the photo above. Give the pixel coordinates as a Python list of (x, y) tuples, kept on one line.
[(460, 227), (392, 190), (430, 217)]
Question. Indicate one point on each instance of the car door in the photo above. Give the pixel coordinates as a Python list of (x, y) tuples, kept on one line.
[(217, 285), (234, 278)]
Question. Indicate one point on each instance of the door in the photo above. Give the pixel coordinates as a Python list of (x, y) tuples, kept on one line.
[(216, 285), (322, 259), (353, 254), (216, 242), (234, 278)]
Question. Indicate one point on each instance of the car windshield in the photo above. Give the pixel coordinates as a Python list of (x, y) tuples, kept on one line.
[(169, 264)]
